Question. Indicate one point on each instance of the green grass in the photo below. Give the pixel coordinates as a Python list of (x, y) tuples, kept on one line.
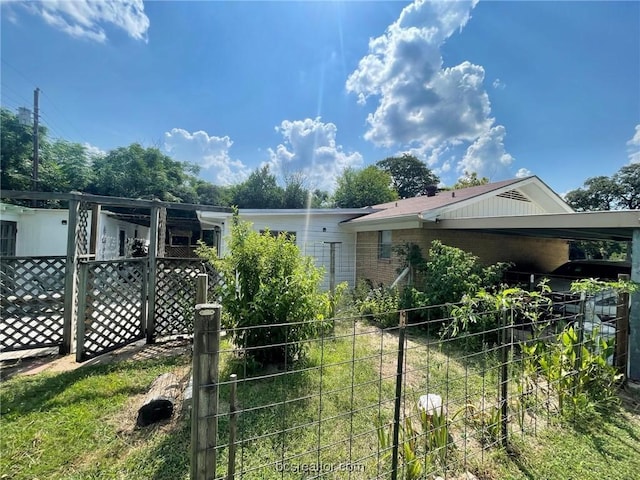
[(74, 425), (78, 425)]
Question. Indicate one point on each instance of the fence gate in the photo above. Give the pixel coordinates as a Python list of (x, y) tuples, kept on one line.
[(176, 294), (112, 305), (32, 302)]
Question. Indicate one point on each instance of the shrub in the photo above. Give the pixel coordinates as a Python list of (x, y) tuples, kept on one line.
[(482, 313), (381, 305), (452, 273), (267, 281)]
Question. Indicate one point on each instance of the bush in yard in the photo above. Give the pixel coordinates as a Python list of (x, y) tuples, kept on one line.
[(268, 282), (449, 274), (381, 306), (452, 273)]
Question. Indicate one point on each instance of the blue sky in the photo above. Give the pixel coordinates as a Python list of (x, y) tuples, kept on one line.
[(501, 88)]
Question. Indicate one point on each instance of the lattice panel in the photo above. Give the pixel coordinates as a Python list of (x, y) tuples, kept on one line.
[(113, 310), (32, 302), (82, 239), (176, 294)]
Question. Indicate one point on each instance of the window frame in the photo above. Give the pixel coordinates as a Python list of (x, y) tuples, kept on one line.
[(384, 244)]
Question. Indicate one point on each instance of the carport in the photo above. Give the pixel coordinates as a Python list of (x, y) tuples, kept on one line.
[(621, 226)]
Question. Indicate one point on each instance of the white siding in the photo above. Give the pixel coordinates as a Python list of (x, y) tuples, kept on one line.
[(311, 234), (494, 207), (108, 238), (42, 233)]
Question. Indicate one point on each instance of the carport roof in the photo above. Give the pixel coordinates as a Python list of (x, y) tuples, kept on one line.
[(607, 225)]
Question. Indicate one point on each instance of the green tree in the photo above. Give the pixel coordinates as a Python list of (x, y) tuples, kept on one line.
[(295, 194), (321, 199), (361, 188), (627, 180), (598, 193), (270, 293), (410, 177), (209, 194), (139, 172), (16, 151), (67, 167), (470, 179), (619, 191), (260, 190)]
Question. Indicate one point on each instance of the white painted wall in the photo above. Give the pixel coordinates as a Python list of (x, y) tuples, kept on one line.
[(312, 231), (109, 236), (43, 232)]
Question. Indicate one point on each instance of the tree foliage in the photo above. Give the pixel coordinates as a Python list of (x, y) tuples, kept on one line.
[(295, 194), (410, 176), (470, 179), (260, 190), (619, 191), (452, 273), (361, 188), (268, 282), (16, 151), (139, 172)]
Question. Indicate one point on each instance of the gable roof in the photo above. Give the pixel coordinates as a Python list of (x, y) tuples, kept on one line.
[(426, 208)]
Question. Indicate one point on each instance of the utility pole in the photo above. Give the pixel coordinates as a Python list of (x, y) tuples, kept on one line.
[(36, 156)]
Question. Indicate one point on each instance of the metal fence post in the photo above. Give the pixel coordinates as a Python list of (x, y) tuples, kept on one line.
[(233, 426), (398, 398), (580, 337), (504, 381), (622, 328), (204, 419)]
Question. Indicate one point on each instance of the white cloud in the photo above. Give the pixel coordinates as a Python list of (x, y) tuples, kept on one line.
[(523, 172), (310, 147), (93, 151), (498, 84), (208, 152), (87, 18), (487, 156), (634, 146), (423, 106)]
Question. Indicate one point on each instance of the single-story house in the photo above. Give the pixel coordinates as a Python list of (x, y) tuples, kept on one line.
[(42, 232), (364, 237), (418, 220), (316, 232)]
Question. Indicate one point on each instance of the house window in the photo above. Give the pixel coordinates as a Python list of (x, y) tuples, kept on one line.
[(384, 244), (8, 238)]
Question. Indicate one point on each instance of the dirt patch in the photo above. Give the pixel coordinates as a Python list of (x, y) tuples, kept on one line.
[(136, 351), (124, 422)]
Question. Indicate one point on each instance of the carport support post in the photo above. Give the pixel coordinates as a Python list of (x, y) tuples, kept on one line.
[(634, 314), (153, 272), (70, 276)]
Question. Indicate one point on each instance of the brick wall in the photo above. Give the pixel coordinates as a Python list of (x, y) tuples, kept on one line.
[(531, 254)]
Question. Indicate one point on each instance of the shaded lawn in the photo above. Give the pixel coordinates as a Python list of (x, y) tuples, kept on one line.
[(78, 425)]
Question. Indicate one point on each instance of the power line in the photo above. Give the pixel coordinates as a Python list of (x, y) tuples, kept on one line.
[(6, 89), (52, 103), (49, 101)]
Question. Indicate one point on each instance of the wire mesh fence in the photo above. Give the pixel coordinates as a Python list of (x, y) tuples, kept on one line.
[(361, 401)]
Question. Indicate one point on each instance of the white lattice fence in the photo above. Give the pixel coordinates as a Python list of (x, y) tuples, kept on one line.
[(176, 294), (32, 302), (111, 305)]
